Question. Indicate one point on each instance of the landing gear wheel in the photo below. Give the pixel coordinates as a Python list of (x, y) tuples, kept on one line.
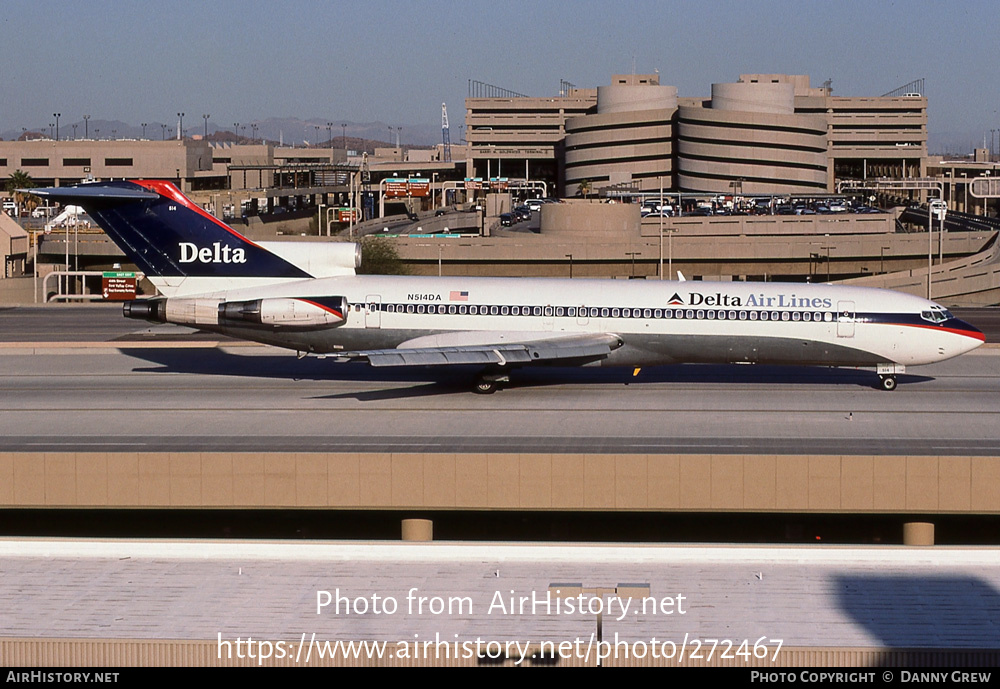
[(888, 382), (484, 386)]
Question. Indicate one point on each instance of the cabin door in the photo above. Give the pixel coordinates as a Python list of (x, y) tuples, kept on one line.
[(845, 318), (373, 311)]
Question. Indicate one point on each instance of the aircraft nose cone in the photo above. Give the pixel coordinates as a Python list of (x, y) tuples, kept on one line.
[(972, 336)]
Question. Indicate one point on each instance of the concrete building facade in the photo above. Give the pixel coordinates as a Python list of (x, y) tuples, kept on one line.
[(51, 162), (765, 133)]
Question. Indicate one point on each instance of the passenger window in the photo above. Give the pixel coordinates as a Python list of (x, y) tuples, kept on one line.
[(656, 314), (796, 316), (785, 316), (571, 312), (732, 315), (537, 311), (409, 308), (615, 313), (463, 309), (494, 310), (548, 311), (605, 312), (626, 313), (560, 311), (504, 310), (441, 309), (421, 308)]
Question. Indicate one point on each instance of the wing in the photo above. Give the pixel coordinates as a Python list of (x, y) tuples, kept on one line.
[(531, 348)]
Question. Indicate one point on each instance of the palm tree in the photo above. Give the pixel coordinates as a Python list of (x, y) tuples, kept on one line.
[(19, 179), (584, 188)]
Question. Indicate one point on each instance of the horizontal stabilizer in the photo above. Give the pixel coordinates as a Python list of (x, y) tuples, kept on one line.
[(95, 192)]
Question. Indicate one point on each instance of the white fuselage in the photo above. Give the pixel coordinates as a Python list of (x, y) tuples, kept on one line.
[(658, 321)]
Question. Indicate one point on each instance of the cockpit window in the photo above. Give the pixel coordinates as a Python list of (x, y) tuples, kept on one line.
[(936, 315)]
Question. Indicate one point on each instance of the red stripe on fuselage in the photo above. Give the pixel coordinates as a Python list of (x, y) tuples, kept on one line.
[(336, 313), (974, 335), (170, 191)]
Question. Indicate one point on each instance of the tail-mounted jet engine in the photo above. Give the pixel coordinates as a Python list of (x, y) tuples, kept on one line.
[(305, 313)]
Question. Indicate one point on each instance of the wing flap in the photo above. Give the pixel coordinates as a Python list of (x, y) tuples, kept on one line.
[(587, 347)]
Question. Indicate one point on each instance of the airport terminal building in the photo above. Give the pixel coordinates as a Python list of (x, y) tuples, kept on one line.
[(764, 134)]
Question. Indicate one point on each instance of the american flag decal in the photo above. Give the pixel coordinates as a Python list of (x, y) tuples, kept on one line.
[(458, 296)]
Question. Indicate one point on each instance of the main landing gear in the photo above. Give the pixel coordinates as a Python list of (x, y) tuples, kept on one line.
[(887, 382), (489, 382)]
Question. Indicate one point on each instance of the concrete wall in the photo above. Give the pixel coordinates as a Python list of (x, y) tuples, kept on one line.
[(776, 483), (586, 218)]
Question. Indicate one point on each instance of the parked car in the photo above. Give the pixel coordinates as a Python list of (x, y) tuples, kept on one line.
[(507, 219)]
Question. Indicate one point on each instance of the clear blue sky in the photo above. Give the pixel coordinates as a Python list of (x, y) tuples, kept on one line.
[(397, 61)]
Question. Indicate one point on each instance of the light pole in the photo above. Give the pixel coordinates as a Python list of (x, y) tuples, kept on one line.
[(206, 125), (180, 125), (236, 131), (144, 131), (344, 128), (670, 252), (86, 128), (253, 129), (930, 246), (660, 268), (74, 131), (57, 115), (163, 133), (329, 136)]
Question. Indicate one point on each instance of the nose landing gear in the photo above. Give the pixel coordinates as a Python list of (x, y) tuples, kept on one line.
[(887, 382)]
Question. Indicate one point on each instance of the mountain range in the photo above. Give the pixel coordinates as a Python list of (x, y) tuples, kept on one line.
[(291, 131)]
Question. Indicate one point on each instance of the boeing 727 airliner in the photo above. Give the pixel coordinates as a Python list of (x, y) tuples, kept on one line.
[(306, 297)]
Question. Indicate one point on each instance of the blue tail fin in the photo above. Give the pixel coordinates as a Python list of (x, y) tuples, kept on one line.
[(167, 235)]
